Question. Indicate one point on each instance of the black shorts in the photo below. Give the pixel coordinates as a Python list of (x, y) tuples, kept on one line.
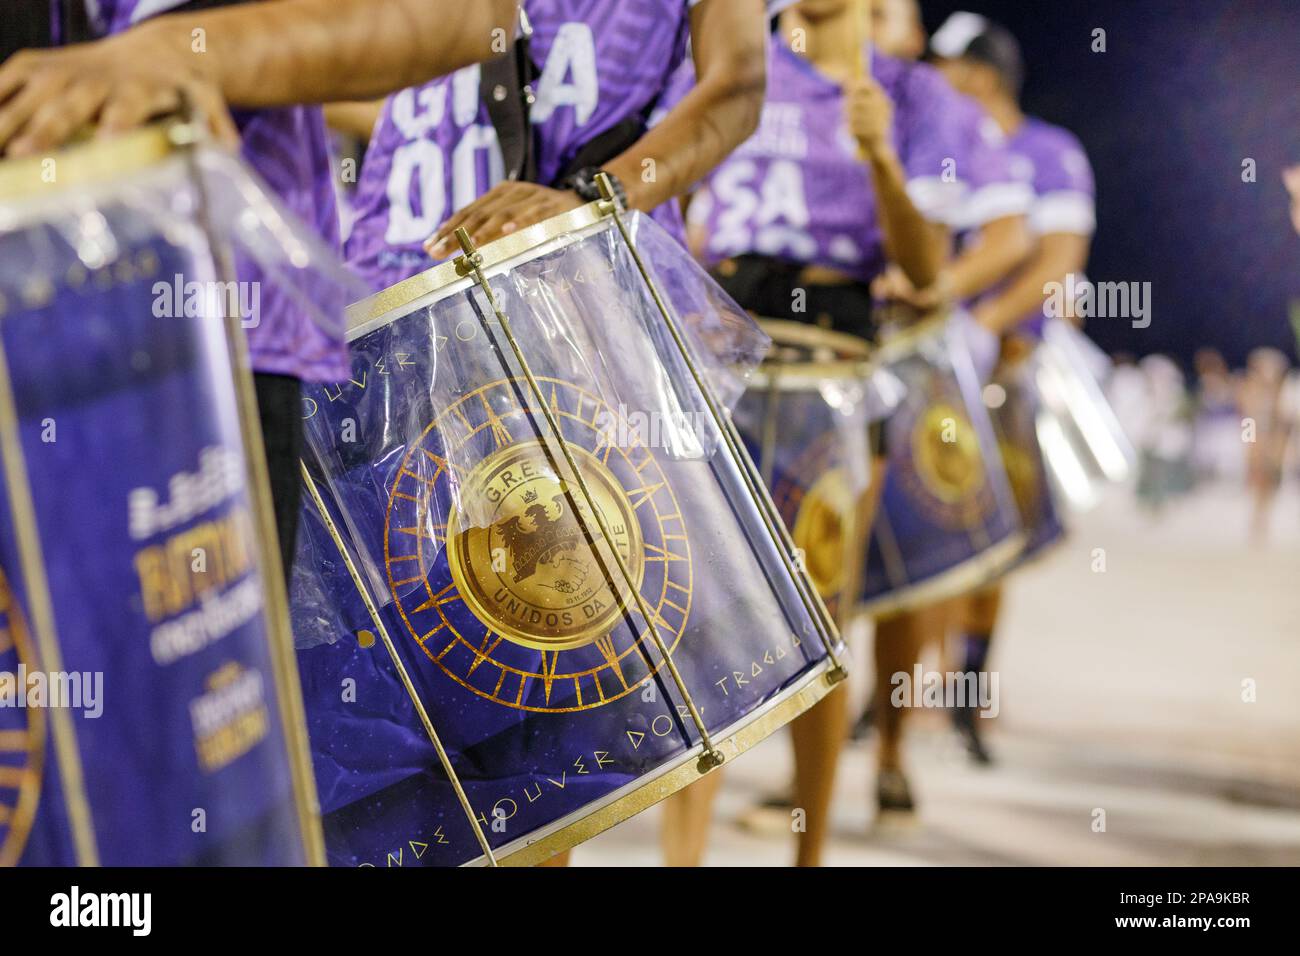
[(279, 404), (770, 287)]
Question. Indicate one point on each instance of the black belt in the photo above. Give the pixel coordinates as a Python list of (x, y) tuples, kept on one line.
[(772, 288)]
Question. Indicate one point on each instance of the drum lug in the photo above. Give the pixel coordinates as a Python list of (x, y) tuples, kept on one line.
[(836, 674), (709, 760), (472, 259)]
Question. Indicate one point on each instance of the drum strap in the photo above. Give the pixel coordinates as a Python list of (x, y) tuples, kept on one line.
[(616, 140), (506, 87)]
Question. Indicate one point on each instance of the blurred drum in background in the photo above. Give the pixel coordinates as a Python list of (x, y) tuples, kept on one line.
[(543, 586), (1082, 440), (152, 709), (1016, 410), (805, 419), (947, 521)]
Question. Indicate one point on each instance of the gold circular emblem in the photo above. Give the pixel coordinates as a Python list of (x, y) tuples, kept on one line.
[(820, 530), (817, 502), (504, 594), (947, 454), (22, 736), (532, 573)]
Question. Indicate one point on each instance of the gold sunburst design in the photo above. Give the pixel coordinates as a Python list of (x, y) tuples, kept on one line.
[(946, 451), (535, 573), (506, 594), (22, 737)]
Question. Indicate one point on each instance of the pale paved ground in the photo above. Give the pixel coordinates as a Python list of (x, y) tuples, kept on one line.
[(1120, 690)]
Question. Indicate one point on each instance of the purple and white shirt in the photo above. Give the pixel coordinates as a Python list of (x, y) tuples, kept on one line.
[(289, 148), (434, 149), (797, 190), (1052, 161), (987, 170)]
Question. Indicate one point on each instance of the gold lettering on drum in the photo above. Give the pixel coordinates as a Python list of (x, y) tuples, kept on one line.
[(506, 807), (230, 717), (169, 582), (418, 849), (338, 389), (741, 677)]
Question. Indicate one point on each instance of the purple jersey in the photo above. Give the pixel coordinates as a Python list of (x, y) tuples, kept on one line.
[(986, 169), (797, 190), (1052, 161), (289, 148), (434, 150)]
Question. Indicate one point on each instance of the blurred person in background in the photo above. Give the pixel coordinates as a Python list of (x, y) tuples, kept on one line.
[(982, 60), (1267, 422), (1163, 435), (1218, 426), (845, 174), (1126, 391), (1291, 179)]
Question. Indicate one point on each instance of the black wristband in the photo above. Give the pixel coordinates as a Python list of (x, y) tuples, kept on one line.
[(584, 184)]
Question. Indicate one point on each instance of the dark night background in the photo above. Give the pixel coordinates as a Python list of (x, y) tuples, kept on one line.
[(1185, 92)]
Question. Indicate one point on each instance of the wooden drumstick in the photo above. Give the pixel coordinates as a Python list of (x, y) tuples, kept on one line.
[(862, 37), (862, 41)]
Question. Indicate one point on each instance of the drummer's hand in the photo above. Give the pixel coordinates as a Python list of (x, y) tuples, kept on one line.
[(48, 96), (893, 285), (506, 208), (870, 115)]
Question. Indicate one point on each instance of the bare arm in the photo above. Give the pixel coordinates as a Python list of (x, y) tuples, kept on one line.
[(356, 119), (1057, 254), (916, 244), (316, 51), (729, 45), (256, 55), (999, 247)]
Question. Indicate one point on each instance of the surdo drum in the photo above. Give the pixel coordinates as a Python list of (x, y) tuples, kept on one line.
[(542, 585), (805, 419), (143, 624), (947, 521)]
